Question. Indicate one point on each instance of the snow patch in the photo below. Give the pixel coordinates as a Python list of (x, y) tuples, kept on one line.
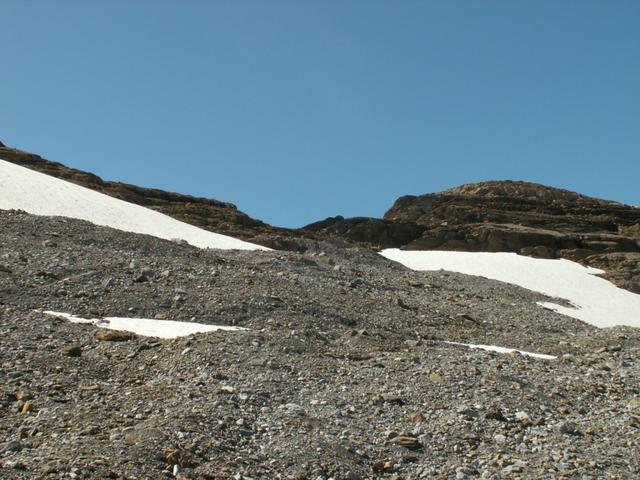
[(494, 348), (146, 326), (596, 300), (40, 194)]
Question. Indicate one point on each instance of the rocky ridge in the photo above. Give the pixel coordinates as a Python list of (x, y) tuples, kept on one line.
[(521, 217), (210, 214)]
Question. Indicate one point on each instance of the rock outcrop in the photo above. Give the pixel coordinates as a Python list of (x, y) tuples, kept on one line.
[(507, 216), (376, 232), (529, 219)]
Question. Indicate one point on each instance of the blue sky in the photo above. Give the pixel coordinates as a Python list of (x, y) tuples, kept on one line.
[(298, 110)]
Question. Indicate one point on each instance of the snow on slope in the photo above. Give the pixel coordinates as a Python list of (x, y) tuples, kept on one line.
[(147, 327), (597, 301), (495, 348), (40, 194)]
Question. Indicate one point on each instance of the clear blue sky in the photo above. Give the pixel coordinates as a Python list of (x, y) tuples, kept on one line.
[(298, 110)]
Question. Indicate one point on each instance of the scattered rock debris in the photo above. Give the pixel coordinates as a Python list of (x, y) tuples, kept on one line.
[(333, 378)]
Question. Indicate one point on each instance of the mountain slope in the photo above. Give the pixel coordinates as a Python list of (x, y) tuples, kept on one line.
[(351, 367), (508, 216), (40, 194), (212, 215), (330, 363)]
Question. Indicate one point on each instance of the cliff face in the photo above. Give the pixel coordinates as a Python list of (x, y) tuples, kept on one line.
[(374, 232), (519, 203)]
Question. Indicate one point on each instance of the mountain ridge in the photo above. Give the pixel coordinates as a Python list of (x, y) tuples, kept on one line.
[(510, 188), (503, 215)]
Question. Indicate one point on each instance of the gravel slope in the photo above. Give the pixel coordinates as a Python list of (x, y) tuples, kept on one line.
[(343, 372)]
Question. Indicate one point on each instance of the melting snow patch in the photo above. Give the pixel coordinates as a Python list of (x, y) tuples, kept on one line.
[(493, 348), (40, 194), (147, 327), (597, 301)]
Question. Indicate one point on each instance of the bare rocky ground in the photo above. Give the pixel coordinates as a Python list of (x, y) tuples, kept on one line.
[(341, 374)]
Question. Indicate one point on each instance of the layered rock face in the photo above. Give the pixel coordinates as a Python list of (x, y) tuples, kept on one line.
[(530, 219), (374, 232)]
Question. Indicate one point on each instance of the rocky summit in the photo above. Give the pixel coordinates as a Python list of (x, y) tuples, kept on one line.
[(509, 216), (334, 363)]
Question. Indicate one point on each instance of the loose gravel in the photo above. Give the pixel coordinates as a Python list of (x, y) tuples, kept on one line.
[(343, 372)]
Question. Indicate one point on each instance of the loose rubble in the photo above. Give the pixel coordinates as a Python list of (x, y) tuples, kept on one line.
[(342, 372)]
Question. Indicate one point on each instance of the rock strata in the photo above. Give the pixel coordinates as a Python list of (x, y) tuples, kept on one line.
[(529, 219)]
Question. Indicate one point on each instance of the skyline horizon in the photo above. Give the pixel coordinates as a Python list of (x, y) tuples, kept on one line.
[(231, 201), (299, 110)]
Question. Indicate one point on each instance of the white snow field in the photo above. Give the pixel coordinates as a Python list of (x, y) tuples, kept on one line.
[(595, 301), (40, 194), (146, 326), (494, 348)]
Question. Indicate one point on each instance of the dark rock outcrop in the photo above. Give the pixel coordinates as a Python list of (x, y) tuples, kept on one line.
[(376, 232), (529, 219)]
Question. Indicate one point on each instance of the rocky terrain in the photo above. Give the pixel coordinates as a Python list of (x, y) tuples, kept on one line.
[(520, 217), (508, 216), (343, 372)]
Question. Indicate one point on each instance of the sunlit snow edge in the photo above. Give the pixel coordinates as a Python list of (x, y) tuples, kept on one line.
[(597, 301), (40, 194), (147, 327)]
